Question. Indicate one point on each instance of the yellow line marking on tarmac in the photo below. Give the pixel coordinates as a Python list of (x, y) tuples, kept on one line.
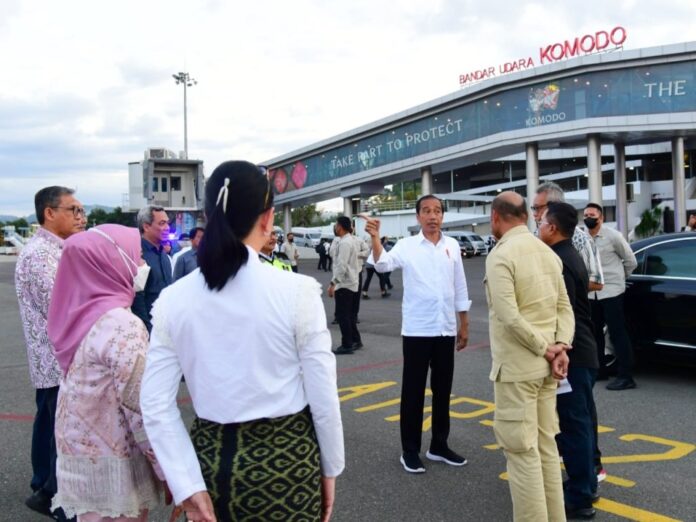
[(622, 510), (486, 422), (630, 512), (678, 450), (492, 447), (604, 429), (618, 481), (363, 389), (371, 407)]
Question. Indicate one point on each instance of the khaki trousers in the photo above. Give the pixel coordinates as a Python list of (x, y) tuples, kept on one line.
[(525, 426)]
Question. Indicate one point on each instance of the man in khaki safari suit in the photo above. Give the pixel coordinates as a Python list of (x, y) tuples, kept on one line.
[(531, 326)]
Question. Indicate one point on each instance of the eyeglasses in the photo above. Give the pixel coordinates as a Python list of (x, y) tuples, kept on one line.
[(538, 208), (76, 211), (544, 223)]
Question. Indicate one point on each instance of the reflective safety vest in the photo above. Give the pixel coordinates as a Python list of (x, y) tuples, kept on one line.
[(276, 263)]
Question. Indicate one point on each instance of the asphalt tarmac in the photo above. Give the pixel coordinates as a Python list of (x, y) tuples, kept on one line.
[(648, 434)]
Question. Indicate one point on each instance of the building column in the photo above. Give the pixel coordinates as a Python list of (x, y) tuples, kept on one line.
[(679, 182), (532, 167), (348, 207), (426, 181), (594, 169), (620, 186), (287, 217)]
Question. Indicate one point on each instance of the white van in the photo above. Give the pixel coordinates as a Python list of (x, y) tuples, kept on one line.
[(306, 237), (472, 237)]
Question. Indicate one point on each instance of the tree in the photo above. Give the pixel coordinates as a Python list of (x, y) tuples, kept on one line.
[(650, 221), (98, 216), (305, 216)]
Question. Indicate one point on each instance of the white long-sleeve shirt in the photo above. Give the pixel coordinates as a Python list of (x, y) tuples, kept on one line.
[(434, 284), (259, 348)]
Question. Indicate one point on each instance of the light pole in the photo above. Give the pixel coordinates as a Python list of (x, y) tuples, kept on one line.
[(187, 81)]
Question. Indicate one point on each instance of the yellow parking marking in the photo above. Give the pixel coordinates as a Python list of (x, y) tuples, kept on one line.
[(622, 510), (362, 389), (492, 446), (488, 407), (630, 512), (486, 422), (604, 429), (618, 481), (678, 450), (377, 406)]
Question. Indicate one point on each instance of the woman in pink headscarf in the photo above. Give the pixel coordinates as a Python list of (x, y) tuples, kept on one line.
[(106, 469)]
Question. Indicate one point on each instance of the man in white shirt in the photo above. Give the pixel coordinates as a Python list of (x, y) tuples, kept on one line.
[(290, 249), (618, 261), (434, 294), (345, 288)]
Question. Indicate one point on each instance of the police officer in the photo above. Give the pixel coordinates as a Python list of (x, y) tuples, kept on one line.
[(267, 254)]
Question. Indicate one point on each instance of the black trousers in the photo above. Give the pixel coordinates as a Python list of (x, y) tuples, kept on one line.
[(346, 316), (43, 442), (611, 312), (576, 442), (368, 278), (323, 258), (421, 353)]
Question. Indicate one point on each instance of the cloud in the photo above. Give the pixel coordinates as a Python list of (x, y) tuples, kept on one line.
[(88, 94)]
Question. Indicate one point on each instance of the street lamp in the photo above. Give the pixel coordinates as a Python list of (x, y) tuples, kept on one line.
[(187, 81)]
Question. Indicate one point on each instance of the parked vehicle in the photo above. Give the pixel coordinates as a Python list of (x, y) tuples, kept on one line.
[(660, 297), (466, 248), (463, 235), (306, 237)]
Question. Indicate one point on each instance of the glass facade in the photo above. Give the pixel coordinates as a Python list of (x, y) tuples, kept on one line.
[(654, 89)]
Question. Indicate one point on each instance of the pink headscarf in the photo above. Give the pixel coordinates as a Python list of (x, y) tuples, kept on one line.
[(92, 278)]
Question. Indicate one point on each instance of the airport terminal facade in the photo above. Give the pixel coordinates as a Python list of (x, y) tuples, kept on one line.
[(613, 128)]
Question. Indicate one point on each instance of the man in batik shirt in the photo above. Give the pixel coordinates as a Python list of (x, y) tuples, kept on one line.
[(60, 215)]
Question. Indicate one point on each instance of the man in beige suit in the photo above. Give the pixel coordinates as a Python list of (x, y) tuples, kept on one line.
[(531, 326)]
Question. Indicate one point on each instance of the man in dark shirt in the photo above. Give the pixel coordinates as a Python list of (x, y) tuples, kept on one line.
[(575, 408), (153, 224), (188, 261)]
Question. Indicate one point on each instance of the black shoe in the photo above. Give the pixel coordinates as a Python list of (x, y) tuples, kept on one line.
[(39, 501), (335, 321), (390, 287), (385, 294), (365, 296), (447, 456), (412, 463), (575, 513), (595, 497), (621, 383), (342, 350), (356, 346)]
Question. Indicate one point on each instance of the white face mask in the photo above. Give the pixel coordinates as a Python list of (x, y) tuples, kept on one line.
[(140, 278), (141, 272)]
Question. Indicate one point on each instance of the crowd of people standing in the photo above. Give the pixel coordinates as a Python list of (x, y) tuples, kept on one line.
[(111, 333)]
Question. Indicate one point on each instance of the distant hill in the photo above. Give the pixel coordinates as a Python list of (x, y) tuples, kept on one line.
[(31, 218)]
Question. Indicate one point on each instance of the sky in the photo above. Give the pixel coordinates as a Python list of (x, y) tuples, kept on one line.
[(87, 86)]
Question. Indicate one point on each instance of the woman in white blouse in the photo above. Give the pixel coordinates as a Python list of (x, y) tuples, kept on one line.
[(253, 346)]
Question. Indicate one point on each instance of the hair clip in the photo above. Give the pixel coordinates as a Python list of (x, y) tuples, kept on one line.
[(222, 195)]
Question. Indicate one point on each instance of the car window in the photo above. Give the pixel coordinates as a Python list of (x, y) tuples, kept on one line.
[(673, 259), (640, 256)]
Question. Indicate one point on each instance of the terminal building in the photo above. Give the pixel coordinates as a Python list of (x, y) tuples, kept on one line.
[(617, 129)]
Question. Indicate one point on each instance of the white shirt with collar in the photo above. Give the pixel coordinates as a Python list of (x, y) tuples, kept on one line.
[(618, 261), (258, 348), (434, 284)]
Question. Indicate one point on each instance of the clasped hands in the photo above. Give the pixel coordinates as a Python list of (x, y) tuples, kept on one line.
[(558, 358)]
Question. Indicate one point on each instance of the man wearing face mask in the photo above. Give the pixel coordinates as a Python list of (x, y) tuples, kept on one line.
[(606, 305), (290, 249), (153, 224)]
